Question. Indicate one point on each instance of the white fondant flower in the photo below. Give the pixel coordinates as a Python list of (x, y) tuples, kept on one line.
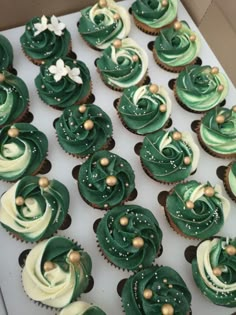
[(59, 70), (56, 26), (74, 74), (41, 27)]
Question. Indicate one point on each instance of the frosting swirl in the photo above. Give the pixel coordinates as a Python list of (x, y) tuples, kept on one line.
[(165, 287), (169, 156), (144, 111), (14, 98), (119, 231), (76, 136), (23, 150), (45, 39), (33, 211), (218, 131), (214, 270), (81, 308), (56, 272), (105, 180), (153, 13), (123, 64), (101, 25), (208, 213), (198, 87), (174, 46), (63, 82), (6, 53)]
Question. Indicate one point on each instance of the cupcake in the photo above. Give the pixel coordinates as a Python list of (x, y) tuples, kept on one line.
[(105, 180), (123, 64), (152, 16), (217, 132), (196, 210), (45, 39), (129, 237), (82, 130), (144, 109), (156, 290), (102, 23), (230, 180), (56, 272), (6, 54), (64, 82), (169, 156), (34, 208), (81, 308), (14, 98), (214, 268), (200, 88), (23, 150), (176, 47)]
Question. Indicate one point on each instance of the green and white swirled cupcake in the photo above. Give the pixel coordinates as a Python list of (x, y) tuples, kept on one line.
[(6, 54), (81, 308)]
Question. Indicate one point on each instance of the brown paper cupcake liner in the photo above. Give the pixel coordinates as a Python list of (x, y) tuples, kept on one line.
[(226, 183), (150, 30)]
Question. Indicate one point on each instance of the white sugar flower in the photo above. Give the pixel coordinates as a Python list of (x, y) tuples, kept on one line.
[(41, 27), (74, 74), (56, 26), (59, 70)]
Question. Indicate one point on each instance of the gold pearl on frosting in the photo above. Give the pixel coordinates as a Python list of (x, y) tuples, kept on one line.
[(82, 108), (177, 135), (209, 191), (116, 16), (220, 88), (88, 124), (164, 3), (230, 250), (102, 3), (124, 221), (13, 132), (19, 201), (48, 266), (165, 280), (187, 160), (104, 161), (135, 58), (234, 108), (170, 286), (138, 242), (167, 309), (43, 182), (192, 38), (153, 88), (214, 70), (220, 119), (2, 77), (177, 26), (189, 204), (74, 257), (163, 108), (217, 271), (117, 43), (111, 180), (147, 293)]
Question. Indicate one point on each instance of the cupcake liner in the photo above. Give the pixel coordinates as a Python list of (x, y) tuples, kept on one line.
[(226, 182), (150, 30)]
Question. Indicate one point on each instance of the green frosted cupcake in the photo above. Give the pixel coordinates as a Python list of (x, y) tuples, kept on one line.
[(129, 237), (6, 54), (34, 208), (81, 308)]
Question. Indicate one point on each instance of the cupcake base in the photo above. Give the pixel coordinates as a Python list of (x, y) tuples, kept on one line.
[(226, 183)]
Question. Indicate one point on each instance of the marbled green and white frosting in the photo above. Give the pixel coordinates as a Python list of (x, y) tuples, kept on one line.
[(81, 308), (221, 290), (92, 180), (231, 178), (73, 135), (42, 212), (208, 214), (117, 67), (63, 82), (116, 239), (6, 53), (174, 47), (14, 98), (163, 157), (153, 13), (140, 111), (197, 88), (45, 38), (99, 25), (23, 154), (166, 286), (65, 281), (220, 138)]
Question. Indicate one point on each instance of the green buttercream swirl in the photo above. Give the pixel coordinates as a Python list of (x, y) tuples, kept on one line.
[(115, 239), (157, 279), (42, 213), (232, 178), (140, 109), (92, 180), (221, 290), (153, 13), (174, 48), (219, 137), (14, 98), (163, 157), (72, 135), (65, 92), (21, 155), (197, 87), (45, 46), (6, 53), (208, 215), (81, 308)]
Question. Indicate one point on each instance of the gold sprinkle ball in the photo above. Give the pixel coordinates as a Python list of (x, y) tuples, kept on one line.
[(234, 108), (217, 271), (19, 201), (189, 204), (220, 119), (164, 3), (135, 58), (82, 108), (177, 135), (43, 182), (209, 191), (177, 25), (117, 43), (88, 124), (230, 250), (2, 77), (124, 221), (138, 242), (167, 309), (48, 266), (170, 286), (165, 280), (147, 293), (187, 160), (74, 257), (220, 88), (13, 132), (214, 70), (104, 161), (153, 88), (111, 180), (102, 3), (192, 38), (163, 108), (116, 16)]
